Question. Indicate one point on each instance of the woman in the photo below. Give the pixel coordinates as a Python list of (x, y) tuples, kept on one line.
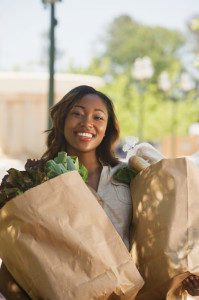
[(84, 125)]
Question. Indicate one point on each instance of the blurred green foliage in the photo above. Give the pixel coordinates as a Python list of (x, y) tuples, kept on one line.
[(124, 41), (194, 27), (157, 110)]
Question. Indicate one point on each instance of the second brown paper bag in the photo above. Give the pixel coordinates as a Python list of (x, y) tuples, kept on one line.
[(165, 242)]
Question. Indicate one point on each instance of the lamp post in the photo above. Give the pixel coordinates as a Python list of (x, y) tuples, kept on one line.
[(184, 85), (142, 71), (53, 23), (164, 81)]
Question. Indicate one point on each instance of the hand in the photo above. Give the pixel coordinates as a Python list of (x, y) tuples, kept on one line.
[(191, 285), (9, 287)]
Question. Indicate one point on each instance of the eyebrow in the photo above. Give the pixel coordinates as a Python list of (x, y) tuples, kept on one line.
[(96, 109)]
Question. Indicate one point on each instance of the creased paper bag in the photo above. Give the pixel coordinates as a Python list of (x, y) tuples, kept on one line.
[(165, 242), (58, 243)]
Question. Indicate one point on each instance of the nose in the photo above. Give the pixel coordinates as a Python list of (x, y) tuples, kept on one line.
[(87, 121)]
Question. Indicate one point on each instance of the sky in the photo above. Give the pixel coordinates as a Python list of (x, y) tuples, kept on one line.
[(81, 23)]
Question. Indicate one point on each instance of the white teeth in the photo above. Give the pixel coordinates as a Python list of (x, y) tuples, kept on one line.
[(84, 134)]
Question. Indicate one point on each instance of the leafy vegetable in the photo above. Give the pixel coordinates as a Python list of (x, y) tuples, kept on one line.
[(83, 172), (17, 182), (76, 162), (61, 159), (125, 175), (71, 165), (36, 172), (54, 169)]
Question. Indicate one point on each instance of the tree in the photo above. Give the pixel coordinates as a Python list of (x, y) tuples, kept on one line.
[(194, 29), (97, 67), (124, 41), (127, 39), (157, 110)]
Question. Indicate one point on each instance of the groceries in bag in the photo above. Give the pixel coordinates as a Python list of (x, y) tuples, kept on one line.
[(165, 239)]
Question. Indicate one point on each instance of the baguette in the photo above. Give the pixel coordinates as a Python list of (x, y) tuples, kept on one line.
[(138, 163), (150, 154)]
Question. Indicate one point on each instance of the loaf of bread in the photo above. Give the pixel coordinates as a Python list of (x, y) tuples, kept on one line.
[(150, 154), (138, 163), (144, 156)]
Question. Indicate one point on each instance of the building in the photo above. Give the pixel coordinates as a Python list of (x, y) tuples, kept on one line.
[(24, 109)]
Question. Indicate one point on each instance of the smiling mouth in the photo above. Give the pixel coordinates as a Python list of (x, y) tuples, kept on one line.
[(85, 135)]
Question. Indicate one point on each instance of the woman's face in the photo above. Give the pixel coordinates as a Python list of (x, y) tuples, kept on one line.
[(85, 125)]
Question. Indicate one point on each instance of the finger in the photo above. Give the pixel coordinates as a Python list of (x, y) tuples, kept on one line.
[(195, 282), (190, 292), (191, 284), (193, 292), (188, 283)]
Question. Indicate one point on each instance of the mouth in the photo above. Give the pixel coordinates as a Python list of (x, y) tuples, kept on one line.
[(85, 136)]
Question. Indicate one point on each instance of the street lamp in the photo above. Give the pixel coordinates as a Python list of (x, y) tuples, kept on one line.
[(184, 85), (53, 23), (142, 71), (50, 1), (164, 81)]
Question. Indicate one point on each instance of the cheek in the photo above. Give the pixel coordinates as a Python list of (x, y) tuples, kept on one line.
[(69, 124), (102, 131), (67, 128)]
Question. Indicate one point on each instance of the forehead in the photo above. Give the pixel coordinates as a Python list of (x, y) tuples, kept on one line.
[(91, 101)]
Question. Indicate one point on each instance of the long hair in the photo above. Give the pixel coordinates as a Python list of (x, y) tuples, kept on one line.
[(56, 140)]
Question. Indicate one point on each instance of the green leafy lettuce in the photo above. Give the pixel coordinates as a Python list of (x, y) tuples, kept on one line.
[(36, 172), (125, 175)]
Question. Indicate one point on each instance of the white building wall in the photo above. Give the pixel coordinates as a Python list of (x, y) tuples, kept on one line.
[(24, 109)]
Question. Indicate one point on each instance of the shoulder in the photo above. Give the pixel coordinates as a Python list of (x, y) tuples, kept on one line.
[(120, 165), (113, 170)]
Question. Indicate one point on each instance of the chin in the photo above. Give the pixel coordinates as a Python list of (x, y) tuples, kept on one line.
[(85, 150)]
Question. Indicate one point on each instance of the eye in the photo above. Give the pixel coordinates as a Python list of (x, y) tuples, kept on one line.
[(76, 113), (98, 118)]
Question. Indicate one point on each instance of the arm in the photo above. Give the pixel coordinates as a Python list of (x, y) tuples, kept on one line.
[(191, 285), (9, 287)]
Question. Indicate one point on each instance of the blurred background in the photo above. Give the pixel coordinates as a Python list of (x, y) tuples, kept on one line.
[(143, 54)]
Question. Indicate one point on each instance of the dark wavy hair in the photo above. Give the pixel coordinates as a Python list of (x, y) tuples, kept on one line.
[(56, 140)]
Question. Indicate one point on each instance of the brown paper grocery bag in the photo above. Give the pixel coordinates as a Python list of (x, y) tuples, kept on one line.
[(165, 241), (58, 243)]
